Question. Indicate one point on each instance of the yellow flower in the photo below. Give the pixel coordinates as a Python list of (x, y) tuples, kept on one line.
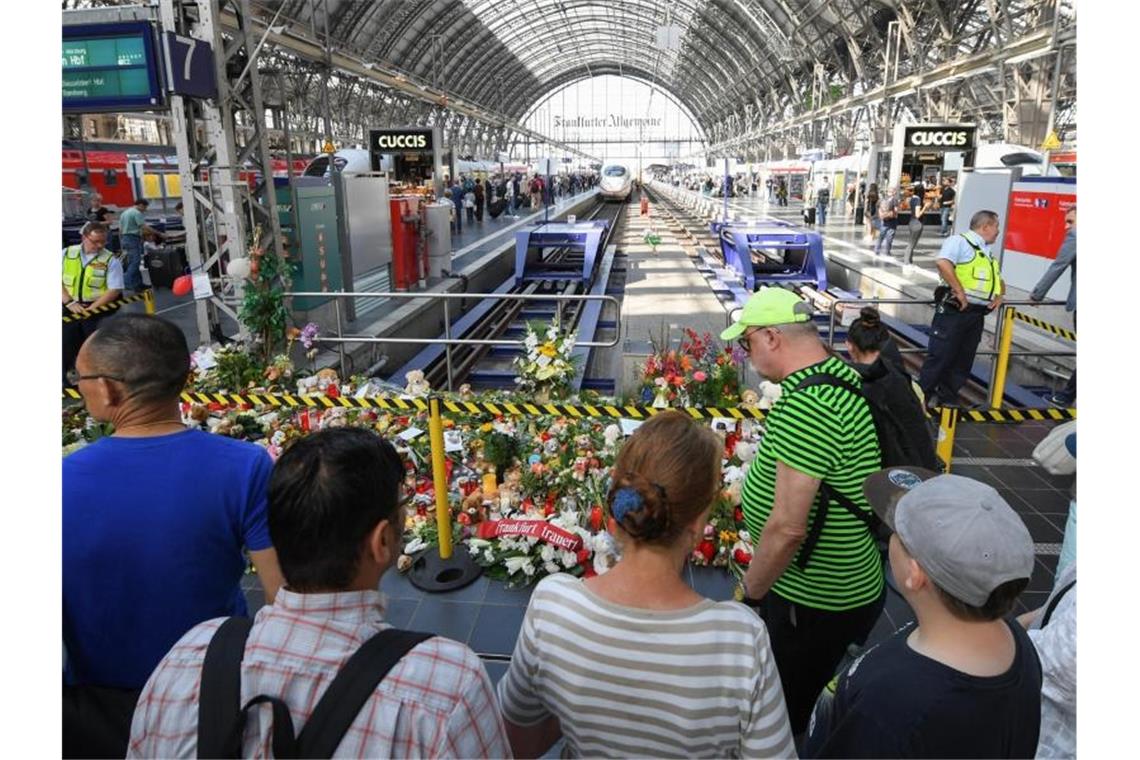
[(486, 427), (548, 349), (728, 536)]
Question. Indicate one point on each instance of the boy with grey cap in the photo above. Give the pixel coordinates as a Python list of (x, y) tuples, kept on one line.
[(962, 681)]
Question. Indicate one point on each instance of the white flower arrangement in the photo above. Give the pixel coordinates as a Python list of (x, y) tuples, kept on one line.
[(547, 366)]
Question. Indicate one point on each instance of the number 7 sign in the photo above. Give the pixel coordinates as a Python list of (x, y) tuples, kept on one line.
[(190, 66)]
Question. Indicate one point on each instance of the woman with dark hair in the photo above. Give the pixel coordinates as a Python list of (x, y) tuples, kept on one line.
[(888, 386), (871, 212), (634, 662), (918, 206)]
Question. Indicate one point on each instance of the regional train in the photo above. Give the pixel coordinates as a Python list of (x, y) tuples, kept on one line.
[(616, 183)]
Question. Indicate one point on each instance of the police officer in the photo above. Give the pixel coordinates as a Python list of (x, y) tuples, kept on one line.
[(972, 287), (92, 277)]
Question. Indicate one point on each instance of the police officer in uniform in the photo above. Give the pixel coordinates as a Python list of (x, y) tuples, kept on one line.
[(972, 287), (92, 277)]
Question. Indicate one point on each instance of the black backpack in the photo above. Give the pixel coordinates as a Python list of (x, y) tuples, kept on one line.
[(894, 448), (221, 716)]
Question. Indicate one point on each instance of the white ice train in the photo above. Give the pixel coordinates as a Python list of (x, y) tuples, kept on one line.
[(616, 183)]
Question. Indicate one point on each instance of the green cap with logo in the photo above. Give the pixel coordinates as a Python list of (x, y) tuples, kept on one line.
[(769, 307)]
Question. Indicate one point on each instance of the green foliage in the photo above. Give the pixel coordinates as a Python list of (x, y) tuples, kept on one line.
[(499, 449), (236, 369), (263, 309)]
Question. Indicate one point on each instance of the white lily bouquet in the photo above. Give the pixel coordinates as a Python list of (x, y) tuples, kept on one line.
[(546, 368)]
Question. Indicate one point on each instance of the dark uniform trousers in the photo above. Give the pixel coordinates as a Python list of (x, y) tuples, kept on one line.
[(74, 334), (954, 338)]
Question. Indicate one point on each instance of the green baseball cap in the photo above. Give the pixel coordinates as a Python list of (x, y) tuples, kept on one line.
[(767, 307)]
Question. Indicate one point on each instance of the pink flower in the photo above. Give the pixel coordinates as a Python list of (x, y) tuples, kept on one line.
[(700, 376)]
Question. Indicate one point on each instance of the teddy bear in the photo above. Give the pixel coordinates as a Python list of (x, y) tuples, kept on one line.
[(417, 386)]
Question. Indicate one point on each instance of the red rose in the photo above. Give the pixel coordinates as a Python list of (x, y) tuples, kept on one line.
[(590, 572), (742, 557), (707, 550), (596, 519), (583, 556), (464, 518), (738, 515), (332, 392), (548, 510)]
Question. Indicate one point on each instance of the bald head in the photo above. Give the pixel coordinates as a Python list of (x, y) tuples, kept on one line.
[(149, 354)]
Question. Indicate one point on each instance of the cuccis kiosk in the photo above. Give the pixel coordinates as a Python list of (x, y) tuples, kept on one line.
[(415, 156)]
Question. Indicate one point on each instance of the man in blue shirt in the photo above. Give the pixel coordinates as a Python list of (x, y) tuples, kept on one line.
[(148, 556), (1066, 258)]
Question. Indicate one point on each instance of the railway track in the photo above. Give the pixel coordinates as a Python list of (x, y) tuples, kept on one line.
[(488, 366)]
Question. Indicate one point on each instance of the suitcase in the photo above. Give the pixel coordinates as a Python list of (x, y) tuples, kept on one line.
[(496, 207), (164, 266), (809, 215)]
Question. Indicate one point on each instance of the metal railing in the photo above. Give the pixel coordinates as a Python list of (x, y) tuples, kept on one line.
[(447, 341)]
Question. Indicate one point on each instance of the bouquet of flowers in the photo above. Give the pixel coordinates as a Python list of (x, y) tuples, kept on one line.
[(699, 372), (652, 239), (546, 368)]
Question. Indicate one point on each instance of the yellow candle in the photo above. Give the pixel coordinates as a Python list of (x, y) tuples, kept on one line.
[(490, 486)]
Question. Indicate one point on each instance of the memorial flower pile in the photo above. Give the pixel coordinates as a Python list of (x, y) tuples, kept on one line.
[(525, 496)]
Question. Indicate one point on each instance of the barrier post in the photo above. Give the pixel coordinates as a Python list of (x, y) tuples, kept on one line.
[(148, 301), (948, 424), (439, 568), (997, 388), (439, 477)]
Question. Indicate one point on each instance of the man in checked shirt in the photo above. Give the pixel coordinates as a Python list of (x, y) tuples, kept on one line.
[(337, 523)]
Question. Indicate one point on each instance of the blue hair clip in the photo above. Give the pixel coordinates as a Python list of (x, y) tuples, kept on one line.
[(626, 500)]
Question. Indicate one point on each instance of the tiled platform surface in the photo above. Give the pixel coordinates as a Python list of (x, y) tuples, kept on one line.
[(486, 615)]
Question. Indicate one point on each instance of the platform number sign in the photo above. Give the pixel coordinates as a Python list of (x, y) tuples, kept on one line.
[(190, 66)]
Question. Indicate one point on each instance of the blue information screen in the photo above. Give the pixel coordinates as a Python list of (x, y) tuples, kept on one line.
[(110, 67)]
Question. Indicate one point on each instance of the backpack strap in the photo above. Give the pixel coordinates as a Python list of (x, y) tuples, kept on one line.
[(1055, 601), (219, 697), (353, 685), (826, 494)]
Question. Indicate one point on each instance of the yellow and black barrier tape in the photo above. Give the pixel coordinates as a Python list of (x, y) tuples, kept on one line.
[(526, 409), (1016, 415), (104, 309), (1040, 325)]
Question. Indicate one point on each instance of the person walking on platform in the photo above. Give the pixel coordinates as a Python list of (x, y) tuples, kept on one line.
[(457, 199), (480, 200), (818, 584), (946, 205), (918, 206), (871, 212), (535, 192), (822, 201), (132, 226), (516, 193), (889, 220), (92, 277), (972, 287), (1066, 258)]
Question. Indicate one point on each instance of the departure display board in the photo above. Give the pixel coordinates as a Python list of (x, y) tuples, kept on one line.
[(110, 67)]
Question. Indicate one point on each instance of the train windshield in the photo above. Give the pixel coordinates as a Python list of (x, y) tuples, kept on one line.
[(615, 171)]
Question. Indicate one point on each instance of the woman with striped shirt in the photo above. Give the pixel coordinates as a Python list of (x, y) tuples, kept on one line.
[(634, 662)]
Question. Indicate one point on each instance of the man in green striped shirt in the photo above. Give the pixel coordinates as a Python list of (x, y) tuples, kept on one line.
[(816, 581)]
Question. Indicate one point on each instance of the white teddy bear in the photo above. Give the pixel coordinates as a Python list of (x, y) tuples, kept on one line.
[(417, 385), (769, 394)]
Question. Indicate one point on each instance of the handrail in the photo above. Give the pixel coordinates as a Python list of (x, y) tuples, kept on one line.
[(447, 341)]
